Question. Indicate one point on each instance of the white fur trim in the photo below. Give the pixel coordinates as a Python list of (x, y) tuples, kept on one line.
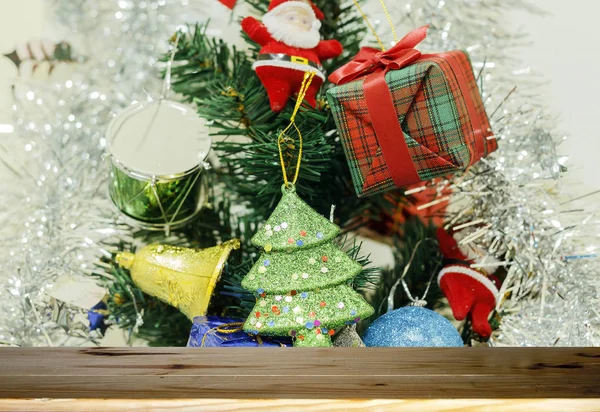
[(471, 273), (288, 65)]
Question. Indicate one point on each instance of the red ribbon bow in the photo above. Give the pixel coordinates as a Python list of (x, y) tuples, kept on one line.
[(370, 60)]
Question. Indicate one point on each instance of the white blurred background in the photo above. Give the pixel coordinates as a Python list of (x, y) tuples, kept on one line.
[(563, 50)]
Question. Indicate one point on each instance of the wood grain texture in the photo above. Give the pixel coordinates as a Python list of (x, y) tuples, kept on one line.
[(304, 405), (355, 373)]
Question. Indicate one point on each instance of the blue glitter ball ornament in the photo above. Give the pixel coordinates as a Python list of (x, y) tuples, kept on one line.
[(412, 326)]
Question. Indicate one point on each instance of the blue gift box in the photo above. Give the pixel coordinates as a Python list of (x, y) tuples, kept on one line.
[(217, 331)]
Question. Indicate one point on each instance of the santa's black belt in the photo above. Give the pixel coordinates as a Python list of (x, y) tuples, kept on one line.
[(285, 58)]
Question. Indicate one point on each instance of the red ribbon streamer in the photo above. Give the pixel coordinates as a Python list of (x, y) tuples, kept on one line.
[(375, 64), (228, 3)]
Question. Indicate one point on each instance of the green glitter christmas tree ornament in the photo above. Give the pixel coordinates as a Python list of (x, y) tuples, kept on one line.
[(301, 279)]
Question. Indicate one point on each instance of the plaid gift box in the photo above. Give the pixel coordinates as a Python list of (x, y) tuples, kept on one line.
[(405, 117)]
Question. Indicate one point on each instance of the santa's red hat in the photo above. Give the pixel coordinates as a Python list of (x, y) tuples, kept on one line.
[(469, 292), (280, 4)]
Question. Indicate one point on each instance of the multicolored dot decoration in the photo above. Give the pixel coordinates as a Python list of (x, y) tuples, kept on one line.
[(309, 319), (299, 243)]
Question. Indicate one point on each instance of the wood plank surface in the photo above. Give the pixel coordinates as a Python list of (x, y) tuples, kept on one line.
[(342, 373), (304, 405)]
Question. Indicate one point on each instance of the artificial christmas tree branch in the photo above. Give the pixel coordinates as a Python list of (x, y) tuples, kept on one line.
[(233, 97), (221, 82), (548, 275)]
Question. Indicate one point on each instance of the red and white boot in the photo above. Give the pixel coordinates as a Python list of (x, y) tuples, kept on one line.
[(469, 292)]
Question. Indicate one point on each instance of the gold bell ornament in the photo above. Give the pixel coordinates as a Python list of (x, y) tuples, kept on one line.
[(182, 277)]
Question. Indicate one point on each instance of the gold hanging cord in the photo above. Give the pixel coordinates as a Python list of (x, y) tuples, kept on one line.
[(308, 77), (389, 19)]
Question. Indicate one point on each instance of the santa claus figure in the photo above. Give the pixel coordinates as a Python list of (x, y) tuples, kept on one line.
[(291, 46)]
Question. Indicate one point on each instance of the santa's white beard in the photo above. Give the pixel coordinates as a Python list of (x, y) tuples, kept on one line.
[(286, 33)]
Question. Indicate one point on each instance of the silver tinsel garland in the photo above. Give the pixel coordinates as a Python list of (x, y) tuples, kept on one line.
[(516, 204), (56, 215)]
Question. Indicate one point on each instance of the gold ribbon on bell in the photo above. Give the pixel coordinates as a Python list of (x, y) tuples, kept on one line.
[(182, 277)]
